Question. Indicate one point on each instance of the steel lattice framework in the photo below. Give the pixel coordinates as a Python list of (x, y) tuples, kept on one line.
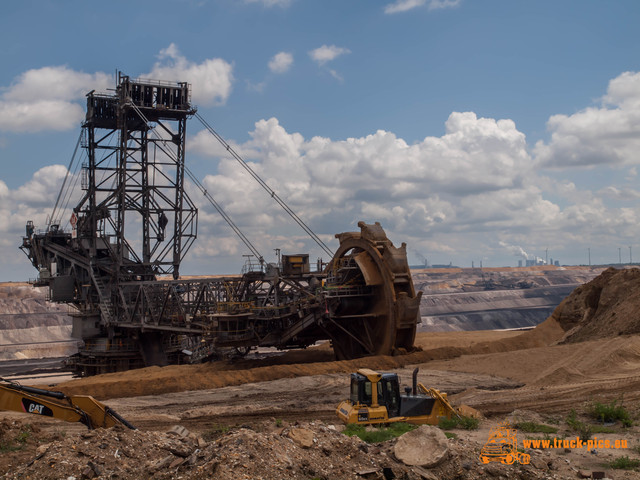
[(135, 204)]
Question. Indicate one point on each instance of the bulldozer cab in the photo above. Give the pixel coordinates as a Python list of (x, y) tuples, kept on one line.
[(373, 389)]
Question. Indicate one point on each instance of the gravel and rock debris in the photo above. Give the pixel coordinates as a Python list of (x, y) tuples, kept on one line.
[(272, 451)]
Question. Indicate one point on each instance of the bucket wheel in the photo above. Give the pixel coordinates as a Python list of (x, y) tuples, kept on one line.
[(372, 307)]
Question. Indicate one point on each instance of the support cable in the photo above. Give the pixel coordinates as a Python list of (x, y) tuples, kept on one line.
[(69, 194), (224, 215), (204, 191), (66, 177), (264, 185)]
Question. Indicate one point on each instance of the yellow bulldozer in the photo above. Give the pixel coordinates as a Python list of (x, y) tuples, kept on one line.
[(376, 399)]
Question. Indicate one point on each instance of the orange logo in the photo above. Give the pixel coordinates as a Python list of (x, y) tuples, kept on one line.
[(502, 446)]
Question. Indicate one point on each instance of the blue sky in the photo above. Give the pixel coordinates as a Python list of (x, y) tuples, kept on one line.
[(474, 131)]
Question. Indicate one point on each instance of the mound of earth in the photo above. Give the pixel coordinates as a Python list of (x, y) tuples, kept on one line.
[(318, 361), (605, 307)]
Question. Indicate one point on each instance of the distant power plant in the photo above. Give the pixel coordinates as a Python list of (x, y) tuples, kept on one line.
[(538, 261)]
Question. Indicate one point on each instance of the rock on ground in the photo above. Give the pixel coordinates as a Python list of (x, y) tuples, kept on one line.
[(426, 446)]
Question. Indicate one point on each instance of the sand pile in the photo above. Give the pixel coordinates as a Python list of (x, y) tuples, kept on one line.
[(603, 308), (178, 378), (555, 365)]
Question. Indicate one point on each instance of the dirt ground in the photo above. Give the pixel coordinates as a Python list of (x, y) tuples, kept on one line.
[(246, 418), (259, 405)]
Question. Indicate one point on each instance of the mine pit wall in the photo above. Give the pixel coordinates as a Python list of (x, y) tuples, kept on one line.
[(37, 342), (32, 327), (494, 299), (490, 310), (488, 320), (454, 299)]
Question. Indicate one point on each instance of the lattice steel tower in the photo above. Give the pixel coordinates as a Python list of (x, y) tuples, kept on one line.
[(136, 172)]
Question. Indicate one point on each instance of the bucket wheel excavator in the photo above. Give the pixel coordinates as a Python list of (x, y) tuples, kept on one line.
[(118, 263), (375, 307)]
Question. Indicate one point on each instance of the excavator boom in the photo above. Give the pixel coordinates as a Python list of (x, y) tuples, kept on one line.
[(76, 408)]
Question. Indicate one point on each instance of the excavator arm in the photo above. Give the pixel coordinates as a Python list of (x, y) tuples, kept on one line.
[(76, 408)]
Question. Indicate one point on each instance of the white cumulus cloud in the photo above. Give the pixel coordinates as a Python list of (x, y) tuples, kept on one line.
[(211, 80), (32, 201), (421, 188), (327, 53), (604, 135), (53, 97), (43, 187), (48, 98), (40, 116), (271, 3), (404, 5), (281, 62), (475, 188)]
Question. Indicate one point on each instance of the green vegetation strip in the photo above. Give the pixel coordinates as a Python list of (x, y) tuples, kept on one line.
[(18, 442), (624, 463), (466, 423), (531, 427), (611, 412), (378, 434)]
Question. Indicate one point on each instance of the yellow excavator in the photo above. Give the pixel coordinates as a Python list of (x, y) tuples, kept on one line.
[(375, 399), (76, 408)]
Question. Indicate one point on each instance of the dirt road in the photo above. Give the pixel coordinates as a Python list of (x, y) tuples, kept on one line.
[(519, 370)]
